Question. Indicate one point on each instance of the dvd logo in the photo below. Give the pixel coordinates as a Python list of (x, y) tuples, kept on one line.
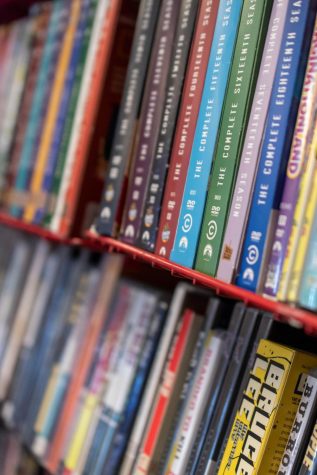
[(132, 213), (277, 247), (109, 193), (183, 243), (146, 237), (212, 230), (248, 274), (162, 251), (165, 234), (129, 231), (148, 218), (207, 252), (106, 213), (188, 222), (253, 255)]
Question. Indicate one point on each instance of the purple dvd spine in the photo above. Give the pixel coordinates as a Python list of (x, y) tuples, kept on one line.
[(151, 111), (296, 164), (240, 204)]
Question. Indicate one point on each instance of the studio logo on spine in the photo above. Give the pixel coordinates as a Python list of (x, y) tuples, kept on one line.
[(253, 255), (212, 230), (187, 223)]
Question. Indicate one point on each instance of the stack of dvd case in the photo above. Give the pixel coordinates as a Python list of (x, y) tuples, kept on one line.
[(61, 86), (186, 128), (223, 181), (191, 122), (102, 372)]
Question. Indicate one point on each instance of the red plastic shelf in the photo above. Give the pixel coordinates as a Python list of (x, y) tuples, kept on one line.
[(293, 315), (39, 231)]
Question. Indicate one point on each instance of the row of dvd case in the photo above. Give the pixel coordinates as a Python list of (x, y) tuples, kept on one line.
[(105, 369), (197, 117)]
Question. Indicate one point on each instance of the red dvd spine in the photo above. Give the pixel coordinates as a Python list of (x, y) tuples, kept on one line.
[(91, 108), (185, 129)]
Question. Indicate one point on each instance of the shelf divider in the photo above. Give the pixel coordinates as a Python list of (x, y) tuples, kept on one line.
[(281, 311)]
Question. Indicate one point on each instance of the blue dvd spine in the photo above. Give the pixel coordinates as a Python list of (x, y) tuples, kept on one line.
[(50, 344), (194, 197), (116, 396), (122, 434), (28, 348), (276, 143)]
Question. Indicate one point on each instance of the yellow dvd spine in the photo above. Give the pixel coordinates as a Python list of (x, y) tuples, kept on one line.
[(52, 111), (255, 415), (260, 431), (301, 248), (47, 400), (81, 430), (298, 220), (285, 413)]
